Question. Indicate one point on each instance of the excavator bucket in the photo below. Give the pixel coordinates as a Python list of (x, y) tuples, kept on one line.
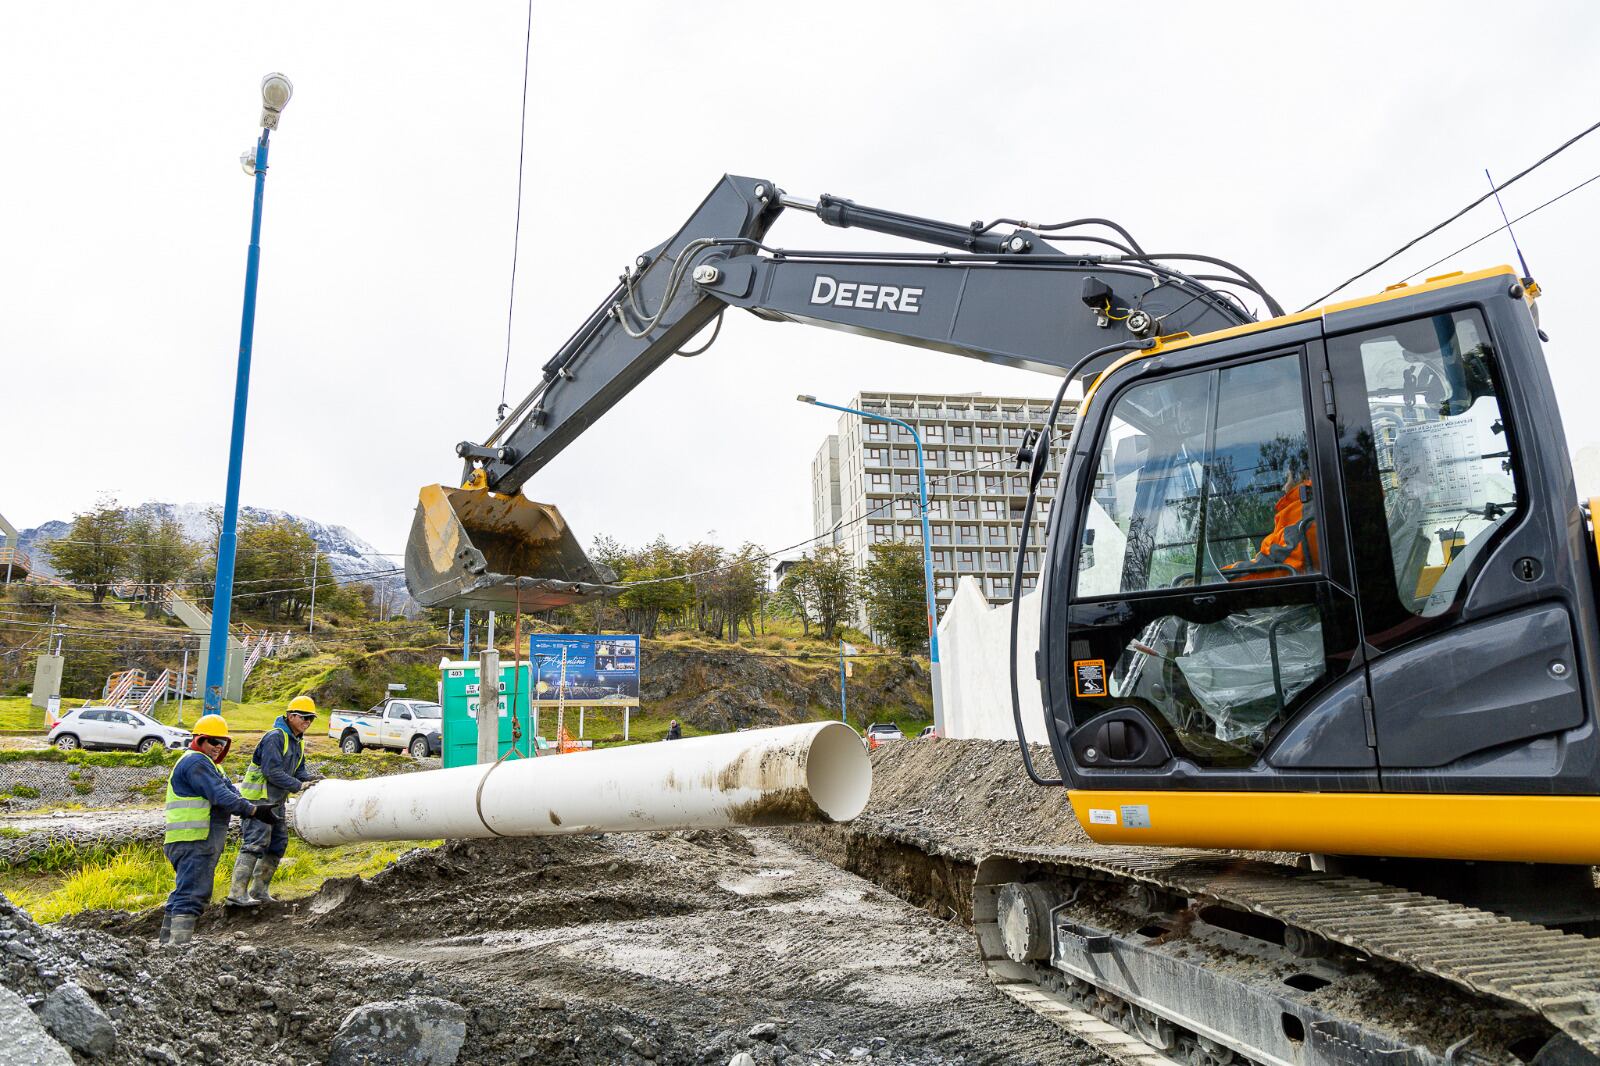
[(475, 549)]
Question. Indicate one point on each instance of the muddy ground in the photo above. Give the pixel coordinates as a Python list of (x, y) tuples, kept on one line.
[(666, 947), (672, 948)]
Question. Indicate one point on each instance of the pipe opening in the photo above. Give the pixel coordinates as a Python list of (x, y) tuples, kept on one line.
[(838, 772)]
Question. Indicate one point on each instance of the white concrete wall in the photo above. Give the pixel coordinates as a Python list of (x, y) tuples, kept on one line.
[(974, 639)]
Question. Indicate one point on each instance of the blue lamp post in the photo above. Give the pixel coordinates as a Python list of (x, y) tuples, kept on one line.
[(275, 93), (927, 551)]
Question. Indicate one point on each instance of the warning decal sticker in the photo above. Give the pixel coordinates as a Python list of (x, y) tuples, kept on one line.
[(1089, 677)]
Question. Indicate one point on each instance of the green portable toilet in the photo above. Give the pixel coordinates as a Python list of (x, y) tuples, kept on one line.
[(458, 695)]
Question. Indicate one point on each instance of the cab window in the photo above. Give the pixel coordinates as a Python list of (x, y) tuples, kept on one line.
[(1433, 436), (1203, 479)]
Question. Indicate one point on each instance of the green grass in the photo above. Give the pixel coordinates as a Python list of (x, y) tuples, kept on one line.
[(17, 713), (66, 879), (79, 757)]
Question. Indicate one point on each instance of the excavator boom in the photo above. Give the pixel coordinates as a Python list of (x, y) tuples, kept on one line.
[(1012, 297)]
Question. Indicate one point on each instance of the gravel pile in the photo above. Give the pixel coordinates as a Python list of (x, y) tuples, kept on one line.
[(225, 1002), (967, 797)]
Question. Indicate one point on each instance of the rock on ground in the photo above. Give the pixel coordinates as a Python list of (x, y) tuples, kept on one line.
[(425, 1031), (24, 1039), (77, 1021)]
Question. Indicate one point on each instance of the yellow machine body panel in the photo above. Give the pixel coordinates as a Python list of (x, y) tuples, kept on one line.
[(1556, 829)]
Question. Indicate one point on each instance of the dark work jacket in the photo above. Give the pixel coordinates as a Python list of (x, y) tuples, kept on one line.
[(281, 756)]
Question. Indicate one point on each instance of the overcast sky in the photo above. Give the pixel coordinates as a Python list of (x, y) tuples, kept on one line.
[(1300, 141)]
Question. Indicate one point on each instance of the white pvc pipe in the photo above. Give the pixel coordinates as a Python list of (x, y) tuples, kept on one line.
[(818, 772)]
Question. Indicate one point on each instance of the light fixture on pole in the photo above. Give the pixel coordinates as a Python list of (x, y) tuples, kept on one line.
[(927, 553), (275, 93)]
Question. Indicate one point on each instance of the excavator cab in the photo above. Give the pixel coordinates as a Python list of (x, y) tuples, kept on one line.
[(473, 548), (1332, 558)]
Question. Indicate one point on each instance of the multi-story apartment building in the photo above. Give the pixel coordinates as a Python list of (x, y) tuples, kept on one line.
[(975, 492), (825, 514)]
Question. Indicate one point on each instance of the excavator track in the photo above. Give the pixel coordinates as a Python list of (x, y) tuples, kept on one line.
[(1529, 972)]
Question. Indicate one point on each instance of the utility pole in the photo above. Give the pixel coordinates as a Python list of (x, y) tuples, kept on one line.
[(466, 634), (275, 93), (488, 706), (183, 683), (311, 627), (842, 716), (490, 641), (561, 704)]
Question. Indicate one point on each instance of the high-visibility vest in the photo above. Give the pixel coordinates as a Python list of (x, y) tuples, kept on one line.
[(189, 817), (254, 786)]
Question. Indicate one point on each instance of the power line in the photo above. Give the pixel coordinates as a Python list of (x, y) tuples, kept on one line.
[(47, 541), (1435, 229), (1497, 229)]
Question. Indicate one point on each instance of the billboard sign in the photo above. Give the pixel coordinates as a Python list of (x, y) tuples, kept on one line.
[(585, 669)]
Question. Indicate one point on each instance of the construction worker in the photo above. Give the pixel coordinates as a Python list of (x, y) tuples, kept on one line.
[(1291, 547), (277, 768), (674, 731), (200, 801)]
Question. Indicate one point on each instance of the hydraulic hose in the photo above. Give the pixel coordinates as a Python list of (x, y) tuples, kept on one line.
[(1041, 454)]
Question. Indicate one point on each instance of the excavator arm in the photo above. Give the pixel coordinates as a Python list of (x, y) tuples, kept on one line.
[(1000, 292)]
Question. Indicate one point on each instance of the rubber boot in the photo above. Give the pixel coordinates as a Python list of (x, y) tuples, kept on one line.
[(239, 890), (181, 930), (166, 929), (266, 866)]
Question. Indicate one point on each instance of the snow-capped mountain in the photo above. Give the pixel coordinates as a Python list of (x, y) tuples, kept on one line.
[(351, 557)]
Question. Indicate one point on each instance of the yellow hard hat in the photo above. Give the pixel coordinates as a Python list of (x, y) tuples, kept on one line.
[(303, 705), (211, 725)]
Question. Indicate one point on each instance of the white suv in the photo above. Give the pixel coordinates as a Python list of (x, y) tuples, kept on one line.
[(114, 727), (881, 732)]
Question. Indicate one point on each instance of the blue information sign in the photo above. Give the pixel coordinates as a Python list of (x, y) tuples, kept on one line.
[(587, 669)]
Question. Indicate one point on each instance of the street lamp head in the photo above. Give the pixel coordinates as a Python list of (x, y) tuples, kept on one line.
[(806, 399), (276, 91)]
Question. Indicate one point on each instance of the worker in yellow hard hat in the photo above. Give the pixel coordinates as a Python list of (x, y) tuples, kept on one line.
[(277, 769), (200, 801)]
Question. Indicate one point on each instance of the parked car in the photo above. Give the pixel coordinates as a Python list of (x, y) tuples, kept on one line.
[(400, 725), (927, 731), (882, 732), (114, 727)]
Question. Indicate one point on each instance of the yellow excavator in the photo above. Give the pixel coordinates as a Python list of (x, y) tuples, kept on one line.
[(1318, 651)]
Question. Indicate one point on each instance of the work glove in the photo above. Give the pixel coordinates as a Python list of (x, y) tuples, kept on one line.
[(264, 813)]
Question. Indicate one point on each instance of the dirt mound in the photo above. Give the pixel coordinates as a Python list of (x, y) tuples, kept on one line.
[(967, 797)]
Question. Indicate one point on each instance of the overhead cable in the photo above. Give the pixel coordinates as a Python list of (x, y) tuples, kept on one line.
[(1497, 229), (1541, 161), (516, 230)]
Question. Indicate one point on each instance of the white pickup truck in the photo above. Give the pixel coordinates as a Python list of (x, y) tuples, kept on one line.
[(401, 725)]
